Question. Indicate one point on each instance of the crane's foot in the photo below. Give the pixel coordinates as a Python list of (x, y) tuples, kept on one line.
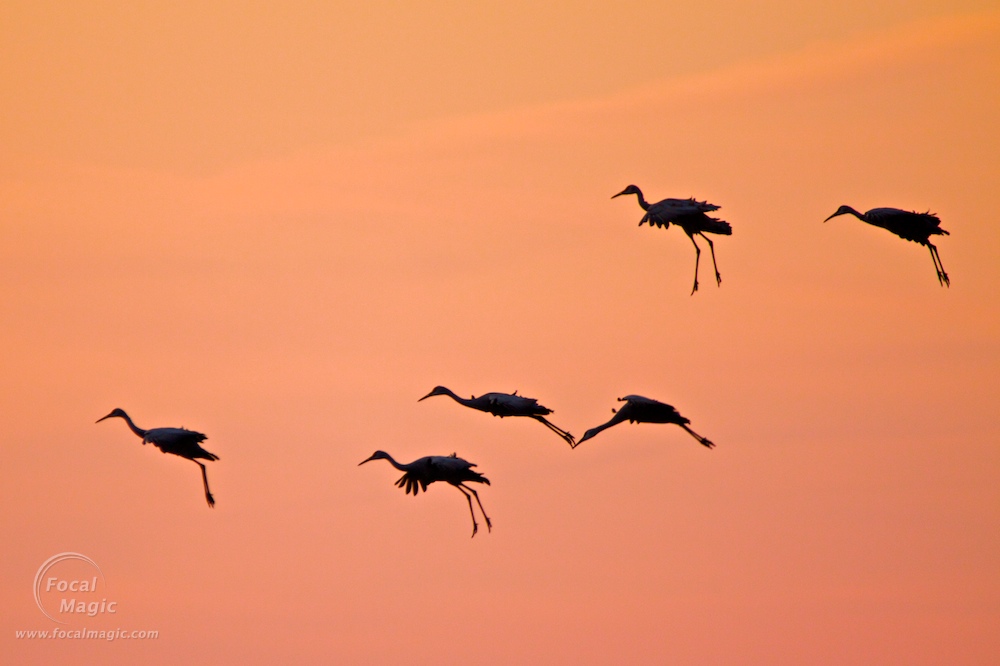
[(489, 525), (718, 278), (475, 528), (707, 443), (210, 500), (695, 287), (943, 279)]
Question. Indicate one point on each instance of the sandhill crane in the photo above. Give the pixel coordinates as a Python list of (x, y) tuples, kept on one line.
[(506, 404), (689, 215), (911, 225), (178, 441), (638, 409), (451, 469)]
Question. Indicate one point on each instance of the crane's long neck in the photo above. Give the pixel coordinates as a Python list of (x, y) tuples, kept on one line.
[(642, 200), (614, 420), (400, 466), (468, 402), (133, 427), (856, 214), (593, 432)]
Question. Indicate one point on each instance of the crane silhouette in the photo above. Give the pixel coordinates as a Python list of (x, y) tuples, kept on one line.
[(422, 472), (506, 404), (911, 225), (178, 441), (638, 409), (689, 215)]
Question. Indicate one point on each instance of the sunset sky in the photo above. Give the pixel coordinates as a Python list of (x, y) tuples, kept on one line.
[(281, 224)]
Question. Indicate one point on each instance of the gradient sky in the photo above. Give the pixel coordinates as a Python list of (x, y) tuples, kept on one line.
[(282, 226)]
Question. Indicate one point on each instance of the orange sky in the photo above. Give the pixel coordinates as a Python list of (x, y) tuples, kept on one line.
[(282, 227)]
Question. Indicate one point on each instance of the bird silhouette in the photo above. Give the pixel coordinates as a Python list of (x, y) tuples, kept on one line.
[(638, 409), (178, 441), (913, 226), (689, 215), (422, 472), (506, 404)]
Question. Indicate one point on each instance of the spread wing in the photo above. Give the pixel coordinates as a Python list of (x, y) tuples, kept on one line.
[(664, 212), (505, 404)]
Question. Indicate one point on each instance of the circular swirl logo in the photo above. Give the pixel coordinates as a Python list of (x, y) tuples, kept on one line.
[(75, 586)]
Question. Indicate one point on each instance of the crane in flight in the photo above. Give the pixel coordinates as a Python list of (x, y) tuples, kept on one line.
[(178, 441), (638, 409), (507, 404), (422, 472), (907, 224), (691, 216)]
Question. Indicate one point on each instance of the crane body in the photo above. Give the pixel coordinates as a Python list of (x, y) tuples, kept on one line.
[(422, 472), (690, 215), (178, 441), (506, 404), (638, 409), (908, 225)]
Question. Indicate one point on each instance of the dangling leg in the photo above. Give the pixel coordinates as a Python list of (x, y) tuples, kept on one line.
[(475, 526), (711, 246), (489, 525), (938, 266), (701, 440), (697, 256), (556, 429), (944, 275), (204, 479)]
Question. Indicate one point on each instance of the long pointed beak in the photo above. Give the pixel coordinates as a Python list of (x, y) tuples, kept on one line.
[(366, 460), (618, 195), (426, 396), (831, 217), (102, 418)]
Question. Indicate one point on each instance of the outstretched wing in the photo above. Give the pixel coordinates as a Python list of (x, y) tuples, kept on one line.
[(442, 466), (907, 224), (664, 212), (639, 400), (412, 483), (641, 409), (419, 475), (453, 469), (174, 436), (505, 404), (179, 441)]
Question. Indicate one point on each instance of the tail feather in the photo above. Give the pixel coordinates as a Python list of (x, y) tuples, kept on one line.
[(716, 226), (478, 478)]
